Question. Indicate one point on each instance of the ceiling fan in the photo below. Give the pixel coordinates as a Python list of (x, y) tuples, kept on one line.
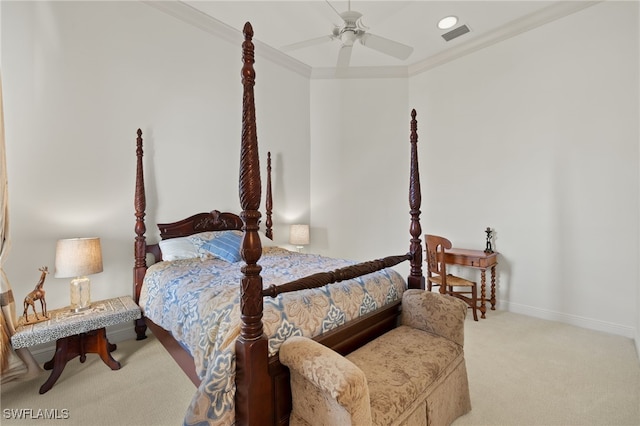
[(351, 31)]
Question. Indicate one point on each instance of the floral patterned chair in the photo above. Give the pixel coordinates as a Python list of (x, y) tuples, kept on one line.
[(412, 375)]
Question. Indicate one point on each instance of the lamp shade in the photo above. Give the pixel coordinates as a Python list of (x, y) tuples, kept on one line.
[(299, 235), (77, 257)]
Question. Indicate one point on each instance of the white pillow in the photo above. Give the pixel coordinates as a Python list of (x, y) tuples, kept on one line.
[(178, 248), (191, 247)]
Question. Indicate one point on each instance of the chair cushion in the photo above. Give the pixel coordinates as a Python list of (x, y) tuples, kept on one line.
[(402, 366)]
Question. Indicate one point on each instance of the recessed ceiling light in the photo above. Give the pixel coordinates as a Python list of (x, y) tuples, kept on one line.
[(447, 22)]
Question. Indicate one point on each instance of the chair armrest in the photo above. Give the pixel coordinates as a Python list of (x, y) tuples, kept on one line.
[(326, 387), (435, 313)]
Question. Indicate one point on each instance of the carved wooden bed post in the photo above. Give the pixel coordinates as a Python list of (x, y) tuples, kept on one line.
[(415, 279), (269, 201), (253, 384), (139, 249)]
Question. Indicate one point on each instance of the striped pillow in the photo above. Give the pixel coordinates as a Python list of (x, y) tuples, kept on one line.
[(225, 246)]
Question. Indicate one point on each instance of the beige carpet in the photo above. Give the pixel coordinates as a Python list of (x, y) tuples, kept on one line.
[(526, 371), (522, 371), (149, 389)]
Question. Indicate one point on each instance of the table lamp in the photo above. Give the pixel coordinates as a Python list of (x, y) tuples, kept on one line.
[(78, 257), (299, 236)]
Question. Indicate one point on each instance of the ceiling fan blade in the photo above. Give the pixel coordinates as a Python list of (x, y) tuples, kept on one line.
[(386, 46), (306, 43), (344, 57)]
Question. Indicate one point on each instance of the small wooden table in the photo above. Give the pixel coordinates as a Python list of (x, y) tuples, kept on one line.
[(477, 259), (77, 334)]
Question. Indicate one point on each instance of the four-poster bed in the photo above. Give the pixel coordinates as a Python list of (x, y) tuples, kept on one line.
[(229, 348)]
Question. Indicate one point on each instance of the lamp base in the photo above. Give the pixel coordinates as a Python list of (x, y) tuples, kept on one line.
[(80, 294), (78, 310)]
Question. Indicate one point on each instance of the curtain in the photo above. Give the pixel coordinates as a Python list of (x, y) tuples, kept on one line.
[(19, 363)]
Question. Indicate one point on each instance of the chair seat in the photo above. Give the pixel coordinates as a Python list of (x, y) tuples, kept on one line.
[(452, 280), (457, 281)]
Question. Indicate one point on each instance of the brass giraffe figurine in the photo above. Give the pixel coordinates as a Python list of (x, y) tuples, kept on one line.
[(37, 294)]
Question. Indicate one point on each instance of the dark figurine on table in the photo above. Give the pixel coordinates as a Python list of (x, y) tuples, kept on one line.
[(488, 248)]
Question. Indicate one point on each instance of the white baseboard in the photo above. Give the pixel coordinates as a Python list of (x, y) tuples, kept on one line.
[(578, 321), (117, 333)]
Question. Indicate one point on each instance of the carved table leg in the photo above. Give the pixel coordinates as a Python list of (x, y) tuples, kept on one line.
[(56, 363), (67, 348), (483, 293), (493, 288)]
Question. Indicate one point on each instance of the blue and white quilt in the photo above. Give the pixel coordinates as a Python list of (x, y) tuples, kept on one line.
[(198, 301)]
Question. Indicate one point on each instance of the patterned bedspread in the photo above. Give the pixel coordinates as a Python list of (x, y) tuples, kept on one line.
[(198, 301)]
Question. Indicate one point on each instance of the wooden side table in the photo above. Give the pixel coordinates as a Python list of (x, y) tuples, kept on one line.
[(477, 259), (77, 334)]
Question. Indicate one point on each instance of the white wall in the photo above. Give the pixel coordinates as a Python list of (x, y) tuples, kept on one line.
[(360, 167), (79, 79), (537, 137)]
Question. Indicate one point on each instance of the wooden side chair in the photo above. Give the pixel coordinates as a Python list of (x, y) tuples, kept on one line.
[(449, 284)]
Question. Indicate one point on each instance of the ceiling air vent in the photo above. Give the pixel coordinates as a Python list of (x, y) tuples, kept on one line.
[(457, 32)]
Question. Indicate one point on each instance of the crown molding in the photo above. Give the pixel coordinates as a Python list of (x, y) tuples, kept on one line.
[(211, 25), (192, 16)]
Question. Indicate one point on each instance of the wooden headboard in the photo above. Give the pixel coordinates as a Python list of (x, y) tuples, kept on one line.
[(200, 222)]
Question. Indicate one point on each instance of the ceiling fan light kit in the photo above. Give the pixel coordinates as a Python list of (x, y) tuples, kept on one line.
[(348, 37)]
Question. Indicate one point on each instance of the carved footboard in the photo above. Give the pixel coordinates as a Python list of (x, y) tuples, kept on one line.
[(343, 339)]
